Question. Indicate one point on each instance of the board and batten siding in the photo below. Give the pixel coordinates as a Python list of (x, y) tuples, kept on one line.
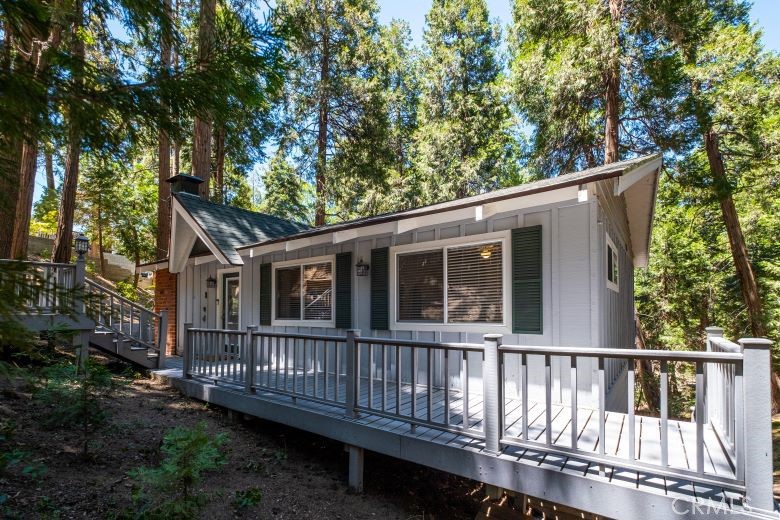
[(572, 285)]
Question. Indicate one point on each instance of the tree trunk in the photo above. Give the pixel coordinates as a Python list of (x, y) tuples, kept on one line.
[(101, 248), (63, 241), (164, 156), (24, 200), (201, 141), (9, 190), (219, 164), (612, 84), (739, 252), (49, 160), (10, 154), (34, 61), (644, 371), (322, 124)]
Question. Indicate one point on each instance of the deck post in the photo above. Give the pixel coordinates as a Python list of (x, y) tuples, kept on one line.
[(355, 469), (80, 308), (491, 382), (186, 354), (352, 382), (250, 359), (712, 332), (162, 339), (757, 363)]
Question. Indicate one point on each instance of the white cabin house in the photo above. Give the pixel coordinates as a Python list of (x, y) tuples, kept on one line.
[(545, 263), (491, 337)]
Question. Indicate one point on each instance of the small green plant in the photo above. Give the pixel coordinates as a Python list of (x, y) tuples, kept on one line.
[(247, 498), (167, 491), (11, 457), (74, 398)]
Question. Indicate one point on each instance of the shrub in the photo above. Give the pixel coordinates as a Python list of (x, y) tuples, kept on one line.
[(247, 498), (74, 397), (167, 490)]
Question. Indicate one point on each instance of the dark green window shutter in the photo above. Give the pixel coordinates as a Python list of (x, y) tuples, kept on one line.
[(265, 294), (380, 279), (344, 290), (527, 280)]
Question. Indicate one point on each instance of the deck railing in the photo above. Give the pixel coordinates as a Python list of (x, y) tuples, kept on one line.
[(132, 322), (428, 384), (43, 287)]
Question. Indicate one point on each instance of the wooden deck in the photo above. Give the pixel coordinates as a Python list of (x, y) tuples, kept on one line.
[(458, 452)]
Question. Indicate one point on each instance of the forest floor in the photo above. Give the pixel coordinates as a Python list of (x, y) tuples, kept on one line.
[(299, 475)]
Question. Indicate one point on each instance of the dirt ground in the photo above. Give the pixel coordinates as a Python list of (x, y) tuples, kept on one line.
[(300, 475)]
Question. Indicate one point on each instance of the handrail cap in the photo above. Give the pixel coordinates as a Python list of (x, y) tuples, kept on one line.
[(756, 343)]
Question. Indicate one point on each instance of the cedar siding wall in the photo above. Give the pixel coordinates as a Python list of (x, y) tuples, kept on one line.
[(572, 284)]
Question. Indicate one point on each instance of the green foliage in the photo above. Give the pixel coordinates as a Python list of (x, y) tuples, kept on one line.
[(46, 213), (73, 397), (170, 490), (247, 498), (333, 123), (463, 145), (285, 192), (11, 457)]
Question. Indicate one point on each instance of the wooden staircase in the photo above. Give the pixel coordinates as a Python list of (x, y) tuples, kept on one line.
[(125, 328), (59, 297)]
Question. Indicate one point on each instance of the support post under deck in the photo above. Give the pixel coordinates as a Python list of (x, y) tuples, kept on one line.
[(355, 469)]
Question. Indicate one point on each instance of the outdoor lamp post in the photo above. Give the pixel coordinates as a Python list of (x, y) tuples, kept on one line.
[(81, 244)]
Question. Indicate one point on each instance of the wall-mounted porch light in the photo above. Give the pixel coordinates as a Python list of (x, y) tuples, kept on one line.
[(361, 268), (211, 282)]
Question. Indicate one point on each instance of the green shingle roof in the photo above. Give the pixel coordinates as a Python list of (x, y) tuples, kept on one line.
[(229, 227)]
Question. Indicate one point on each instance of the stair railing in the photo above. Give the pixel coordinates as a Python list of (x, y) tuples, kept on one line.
[(131, 321)]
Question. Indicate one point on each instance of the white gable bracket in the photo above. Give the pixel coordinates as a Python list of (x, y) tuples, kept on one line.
[(631, 177), (184, 231)]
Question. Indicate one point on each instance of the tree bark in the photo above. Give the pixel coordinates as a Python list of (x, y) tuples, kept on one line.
[(49, 161), (644, 371), (322, 125), (34, 61), (10, 155), (63, 241), (101, 248), (739, 252), (219, 164), (24, 200), (612, 84), (164, 154), (201, 141)]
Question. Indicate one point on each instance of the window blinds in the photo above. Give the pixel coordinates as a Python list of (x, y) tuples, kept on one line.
[(474, 284), (288, 293), (318, 291), (421, 286)]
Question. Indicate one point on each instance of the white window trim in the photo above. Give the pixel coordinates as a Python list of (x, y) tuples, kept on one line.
[(301, 262), (220, 303), (487, 328), (610, 284)]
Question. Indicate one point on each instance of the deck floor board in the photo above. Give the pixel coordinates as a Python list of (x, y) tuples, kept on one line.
[(681, 434)]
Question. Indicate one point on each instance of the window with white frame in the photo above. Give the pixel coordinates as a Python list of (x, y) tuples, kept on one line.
[(455, 285), (304, 292), (613, 270)]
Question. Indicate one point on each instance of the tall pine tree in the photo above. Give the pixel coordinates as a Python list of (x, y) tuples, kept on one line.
[(463, 145), (333, 119)]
